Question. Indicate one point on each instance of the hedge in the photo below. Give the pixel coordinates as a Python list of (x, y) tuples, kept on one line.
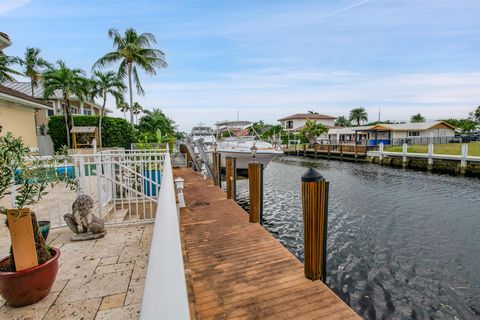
[(116, 132)]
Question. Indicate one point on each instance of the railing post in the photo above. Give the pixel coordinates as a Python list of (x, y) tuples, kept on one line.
[(315, 216), (430, 156), (404, 155), (463, 161), (381, 147), (230, 173), (255, 189)]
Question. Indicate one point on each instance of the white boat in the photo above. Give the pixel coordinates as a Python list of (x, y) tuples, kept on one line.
[(241, 149), (202, 131)]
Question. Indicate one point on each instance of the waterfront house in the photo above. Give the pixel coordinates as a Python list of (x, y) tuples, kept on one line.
[(56, 102), (295, 122), (393, 133), (17, 115)]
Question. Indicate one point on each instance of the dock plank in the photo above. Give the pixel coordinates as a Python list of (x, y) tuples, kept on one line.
[(237, 270)]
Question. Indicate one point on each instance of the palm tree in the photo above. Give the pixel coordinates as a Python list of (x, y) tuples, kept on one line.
[(312, 130), (342, 121), (132, 51), (136, 110), (123, 107), (33, 65), (69, 82), (103, 84), (358, 115), (417, 118), (155, 120), (5, 71)]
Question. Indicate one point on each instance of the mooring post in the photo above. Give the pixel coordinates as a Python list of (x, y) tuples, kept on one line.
[(463, 161), (255, 190), (380, 148), (404, 155), (430, 156), (215, 167), (219, 169), (304, 150), (230, 177), (315, 216)]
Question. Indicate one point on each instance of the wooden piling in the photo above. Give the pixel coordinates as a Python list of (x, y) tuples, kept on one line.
[(216, 168), (230, 177), (315, 216), (255, 191)]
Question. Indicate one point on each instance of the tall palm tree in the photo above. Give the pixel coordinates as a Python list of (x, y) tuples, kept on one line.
[(417, 118), (33, 66), (358, 115), (103, 84), (136, 110), (6, 71), (132, 51), (70, 82)]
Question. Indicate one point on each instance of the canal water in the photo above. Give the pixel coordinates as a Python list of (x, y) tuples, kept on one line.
[(401, 244)]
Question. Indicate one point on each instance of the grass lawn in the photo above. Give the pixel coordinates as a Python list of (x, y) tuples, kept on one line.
[(450, 148)]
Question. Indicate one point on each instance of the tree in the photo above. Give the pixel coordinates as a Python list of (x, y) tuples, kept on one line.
[(476, 115), (123, 107), (417, 118), (342, 121), (136, 110), (272, 132), (312, 130), (155, 120), (256, 128), (358, 115), (70, 82), (132, 51), (33, 66), (6, 71), (103, 84)]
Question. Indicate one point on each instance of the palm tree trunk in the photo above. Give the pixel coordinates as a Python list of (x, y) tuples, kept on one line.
[(31, 86), (130, 89), (67, 125), (101, 117)]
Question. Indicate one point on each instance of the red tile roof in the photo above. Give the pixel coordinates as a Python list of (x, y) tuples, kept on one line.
[(17, 94), (311, 116)]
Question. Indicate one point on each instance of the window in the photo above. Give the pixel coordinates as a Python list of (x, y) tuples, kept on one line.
[(74, 110), (289, 125), (413, 133), (50, 113), (87, 112)]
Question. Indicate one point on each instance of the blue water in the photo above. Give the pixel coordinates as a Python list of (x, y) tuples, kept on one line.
[(401, 244)]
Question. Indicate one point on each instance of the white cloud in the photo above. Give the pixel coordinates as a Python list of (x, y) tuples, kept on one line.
[(270, 94), (10, 5)]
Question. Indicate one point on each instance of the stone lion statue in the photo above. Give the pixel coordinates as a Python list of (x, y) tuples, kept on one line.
[(82, 216)]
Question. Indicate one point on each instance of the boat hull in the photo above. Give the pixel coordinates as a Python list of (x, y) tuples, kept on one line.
[(244, 158)]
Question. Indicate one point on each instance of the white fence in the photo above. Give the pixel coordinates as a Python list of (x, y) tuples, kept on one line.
[(123, 183)]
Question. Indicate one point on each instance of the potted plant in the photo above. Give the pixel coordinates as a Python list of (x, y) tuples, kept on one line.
[(28, 273)]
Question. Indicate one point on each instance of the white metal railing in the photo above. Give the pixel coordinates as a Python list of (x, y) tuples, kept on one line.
[(123, 183), (165, 293)]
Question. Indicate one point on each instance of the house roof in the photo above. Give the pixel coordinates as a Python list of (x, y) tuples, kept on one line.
[(416, 126), (311, 116), (5, 36), (26, 88), (26, 99)]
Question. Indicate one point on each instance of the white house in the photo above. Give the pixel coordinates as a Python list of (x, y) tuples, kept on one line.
[(296, 122), (387, 133)]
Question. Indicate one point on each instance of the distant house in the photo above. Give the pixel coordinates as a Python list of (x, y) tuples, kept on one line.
[(56, 102), (17, 115), (296, 122), (387, 133)]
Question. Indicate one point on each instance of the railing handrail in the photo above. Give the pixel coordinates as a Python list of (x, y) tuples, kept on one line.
[(165, 290)]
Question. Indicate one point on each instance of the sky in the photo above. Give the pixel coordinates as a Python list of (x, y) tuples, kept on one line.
[(268, 59)]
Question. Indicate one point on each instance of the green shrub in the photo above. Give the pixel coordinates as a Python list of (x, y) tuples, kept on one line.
[(116, 132)]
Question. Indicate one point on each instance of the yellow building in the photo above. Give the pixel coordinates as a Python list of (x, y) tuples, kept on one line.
[(17, 115)]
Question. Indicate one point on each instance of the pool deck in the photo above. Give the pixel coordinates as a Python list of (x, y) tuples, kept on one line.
[(97, 279), (236, 269)]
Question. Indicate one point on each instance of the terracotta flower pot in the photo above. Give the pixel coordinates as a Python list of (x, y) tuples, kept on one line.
[(28, 286)]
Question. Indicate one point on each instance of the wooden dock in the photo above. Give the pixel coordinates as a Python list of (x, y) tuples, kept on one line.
[(236, 269), (338, 151)]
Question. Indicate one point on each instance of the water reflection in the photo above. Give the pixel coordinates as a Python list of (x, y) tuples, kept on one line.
[(401, 245)]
